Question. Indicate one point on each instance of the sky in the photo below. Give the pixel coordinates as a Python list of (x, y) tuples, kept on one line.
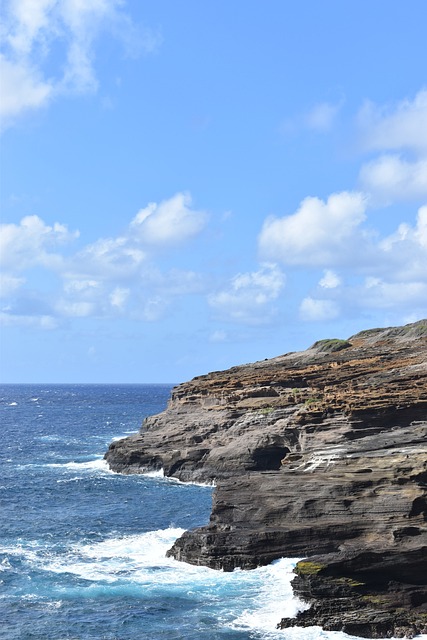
[(187, 186)]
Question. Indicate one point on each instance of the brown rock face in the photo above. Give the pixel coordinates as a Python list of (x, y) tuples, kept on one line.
[(320, 453)]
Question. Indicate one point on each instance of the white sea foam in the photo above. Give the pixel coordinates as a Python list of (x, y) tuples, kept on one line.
[(160, 473), (30, 551), (271, 598), (248, 600), (155, 473), (124, 435), (193, 483), (49, 438), (242, 601), (97, 465), (139, 560), (5, 564)]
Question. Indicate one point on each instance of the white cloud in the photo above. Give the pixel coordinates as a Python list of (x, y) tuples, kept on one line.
[(80, 286), (9, 284), (119, 296), (168, 223), (108, 277), (401, 126), (138, 289), (22, 88), (248, 298), (405, 251), (178, 281), (35, 322), (421, 228), (48, 48), (27, 244), (105, 259), (28, 22), (376, 293), (387, 273), (413, 237), (317, 310), (318, 233), (75, 309), (392, 178), (396, 282), (408, 235), (330, 280), (322, 116)]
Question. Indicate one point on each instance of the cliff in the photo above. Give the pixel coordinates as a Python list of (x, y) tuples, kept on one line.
[(320, 453)]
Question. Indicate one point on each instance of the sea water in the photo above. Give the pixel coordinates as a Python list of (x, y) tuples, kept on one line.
[(83, 550)]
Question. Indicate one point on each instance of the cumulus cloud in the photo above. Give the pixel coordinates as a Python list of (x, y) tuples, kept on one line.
[(22, 88), (421, 228), (392, 178), (401, 128), (389, 272), (170, 222), (48, 48), (405, 250), (119, 296), (29, 244), (318, 233), (114, 283), (396, 282), (249, 296), (382, 273), (105, 259), (330, 280), (396, 126), (106, 278), (378, 293)]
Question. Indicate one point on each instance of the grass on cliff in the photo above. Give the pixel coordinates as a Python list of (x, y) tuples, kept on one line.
[(306, 568), (331, 345)]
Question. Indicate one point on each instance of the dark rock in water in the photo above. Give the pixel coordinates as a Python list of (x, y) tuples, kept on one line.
[(321, 453)]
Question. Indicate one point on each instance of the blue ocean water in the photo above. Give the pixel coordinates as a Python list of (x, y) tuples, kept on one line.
[(82, 550)]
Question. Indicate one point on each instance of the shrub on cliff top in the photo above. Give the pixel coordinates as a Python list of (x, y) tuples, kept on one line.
[(331, 345)]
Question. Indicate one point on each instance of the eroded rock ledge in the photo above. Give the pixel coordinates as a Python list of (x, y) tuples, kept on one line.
[(320, 453)]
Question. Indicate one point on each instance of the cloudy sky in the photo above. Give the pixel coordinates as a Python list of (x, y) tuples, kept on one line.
[(186, 186)]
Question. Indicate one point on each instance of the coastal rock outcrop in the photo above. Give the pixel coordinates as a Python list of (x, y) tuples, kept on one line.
[(319, 454)]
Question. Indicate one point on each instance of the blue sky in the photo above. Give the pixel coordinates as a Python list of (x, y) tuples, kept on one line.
[(187, 186)]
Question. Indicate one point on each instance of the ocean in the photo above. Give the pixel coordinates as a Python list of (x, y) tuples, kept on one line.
[(82, 549)]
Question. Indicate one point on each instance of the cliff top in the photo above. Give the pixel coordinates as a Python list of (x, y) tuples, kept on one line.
[(370, 369)]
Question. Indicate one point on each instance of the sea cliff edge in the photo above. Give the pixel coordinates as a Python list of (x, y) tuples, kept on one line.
[(320, 454)]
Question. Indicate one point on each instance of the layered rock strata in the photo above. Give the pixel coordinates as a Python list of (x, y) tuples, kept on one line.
[(320, 453)]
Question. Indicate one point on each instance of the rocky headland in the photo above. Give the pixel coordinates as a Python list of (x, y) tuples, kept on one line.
[(320, 454)]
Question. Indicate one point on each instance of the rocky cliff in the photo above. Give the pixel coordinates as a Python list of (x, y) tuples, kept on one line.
[(319, 454)]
